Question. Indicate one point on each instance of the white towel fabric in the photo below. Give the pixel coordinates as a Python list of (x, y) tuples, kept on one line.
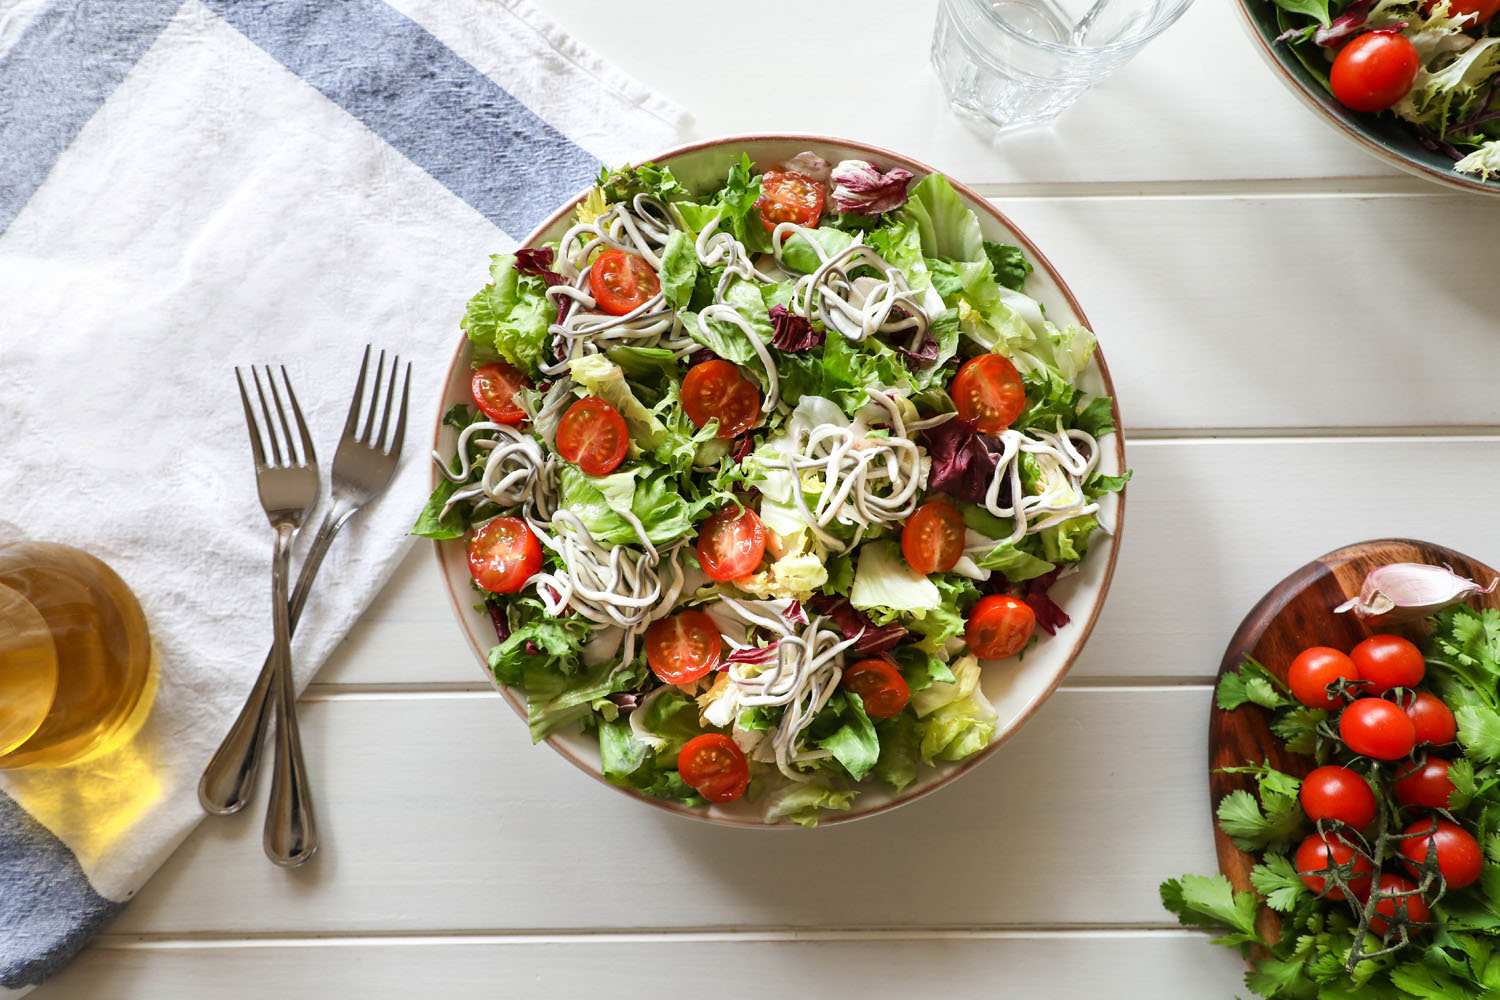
[(191, 185)]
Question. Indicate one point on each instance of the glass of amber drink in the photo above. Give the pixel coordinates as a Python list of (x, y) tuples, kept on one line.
[(75, 655)]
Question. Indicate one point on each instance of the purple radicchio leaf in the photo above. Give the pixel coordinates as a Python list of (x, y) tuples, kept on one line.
[(924, 355), (626, 700), (701, 355), (790, 332), (497, 615), (742, 449), (1345, 26), (811, 165), (859, 188), (963, 460), (537, 261), (1035, 593), (758, 655), (853, 622), (793, 614)]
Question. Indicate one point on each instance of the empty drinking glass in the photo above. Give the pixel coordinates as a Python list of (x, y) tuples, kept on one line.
[(1020, 62)]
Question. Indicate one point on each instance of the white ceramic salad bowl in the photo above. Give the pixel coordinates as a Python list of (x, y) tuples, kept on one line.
[(1016, 688)]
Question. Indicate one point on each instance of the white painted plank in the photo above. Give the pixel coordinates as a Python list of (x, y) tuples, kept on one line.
[(867, 76), (1166, 965), (1210, 526), (1284, 312), (438, 816)]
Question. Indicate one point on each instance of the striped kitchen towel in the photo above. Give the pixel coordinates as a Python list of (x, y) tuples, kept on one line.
[(188, 185)]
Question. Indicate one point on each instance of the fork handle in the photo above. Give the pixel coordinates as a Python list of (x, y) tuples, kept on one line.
[(230, 776), (291, 833)]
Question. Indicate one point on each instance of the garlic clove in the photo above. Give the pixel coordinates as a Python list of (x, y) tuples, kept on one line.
[(1410, 591)]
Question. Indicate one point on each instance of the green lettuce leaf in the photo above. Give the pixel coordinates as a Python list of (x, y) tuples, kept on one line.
[(510, 315), (944, 225), (854, 743), (652, 496), (802, 802), (1008, 263), (679, 269)]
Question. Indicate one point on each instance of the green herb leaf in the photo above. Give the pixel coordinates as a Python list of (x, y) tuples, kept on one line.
[(1277, 880), (1298, 728), (1253, 684), (1479, 732), (1210, 901), (1252, 829)]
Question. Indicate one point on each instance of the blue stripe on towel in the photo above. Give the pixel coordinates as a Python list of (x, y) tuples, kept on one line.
[(48, 909), (63, 67), (413, 91)]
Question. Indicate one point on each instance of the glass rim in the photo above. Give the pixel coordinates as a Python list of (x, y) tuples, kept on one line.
[(1173, 10)]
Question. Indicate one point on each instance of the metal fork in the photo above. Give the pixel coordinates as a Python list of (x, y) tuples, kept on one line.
[(362, 468), (288, 487)]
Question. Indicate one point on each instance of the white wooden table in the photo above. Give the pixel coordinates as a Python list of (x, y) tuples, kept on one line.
[(1305, 349)]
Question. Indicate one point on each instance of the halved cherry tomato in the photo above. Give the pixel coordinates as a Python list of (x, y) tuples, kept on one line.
[(1374, 727), (1387, 661), (1318, 854), (787, 196), (494, 387), (880, 687), (999, 626), (592, 435), (1413, 907), (1338, 793), (1432, 720), (503, 555), (715, 766), (1313, 670), (933, 538), (1425, 785), (683, 647), (1458, 854), (622, 281), (731, 543), (1482, 10), (1374, 71), (988, 392), (717, 389)]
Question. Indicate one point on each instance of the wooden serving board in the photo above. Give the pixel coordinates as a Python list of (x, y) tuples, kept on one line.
[(1295, 614)]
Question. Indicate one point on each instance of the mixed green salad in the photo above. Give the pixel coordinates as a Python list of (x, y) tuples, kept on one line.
[(753, 479), (1433, 64)]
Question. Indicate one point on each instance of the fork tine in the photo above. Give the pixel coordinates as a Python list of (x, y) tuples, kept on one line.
[(351, 425), (400, 434), (390, 402), (309, 456), (374, 399), (270, 424), (250, 424), (286, 428)]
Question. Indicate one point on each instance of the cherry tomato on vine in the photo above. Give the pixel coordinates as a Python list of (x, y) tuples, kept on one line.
[(1387, 661), (503, 555), (1374, 727), (880, 687), (717, 389), (1313, 670), (495, 386), (683, 647), (1332, 792), (715, 766), (1413, 907), (787, 196), (1374, 71), (999, 626), (933, 538), (731, 543), (1425, 784), (621, 282), (1318, 854), (1432, 720), (593, 436), (1458, 855), (988, 392)]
